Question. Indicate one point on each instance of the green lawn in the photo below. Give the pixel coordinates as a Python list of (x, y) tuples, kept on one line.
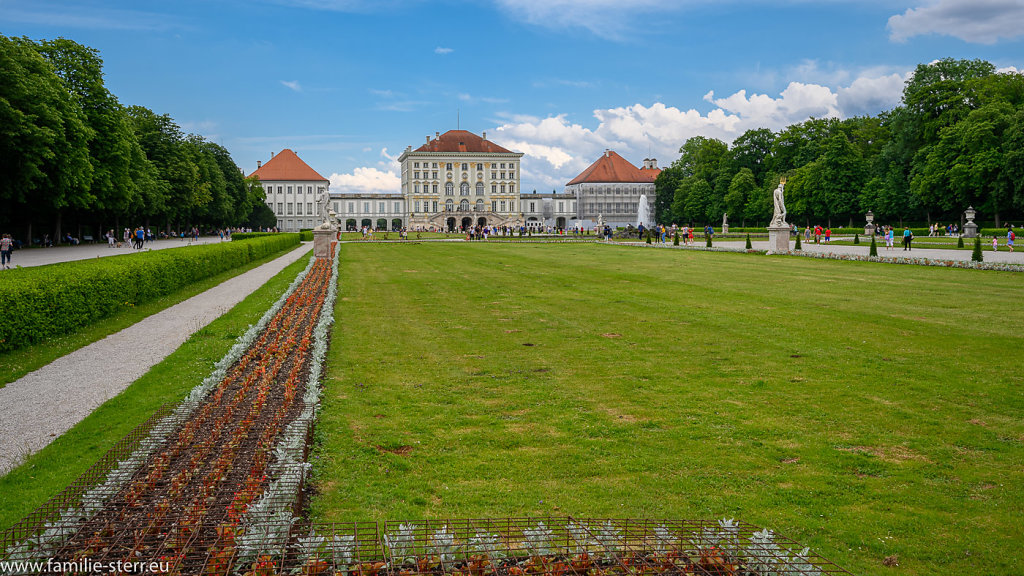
[(50, 470), (866, 410)]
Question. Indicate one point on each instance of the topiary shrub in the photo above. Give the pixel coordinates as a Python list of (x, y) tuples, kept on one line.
[(797, 247), (749, 247), (708, 243), (647, 236), (960, 242), (856, 238), (976, 255), (873, 251), (675, 239)]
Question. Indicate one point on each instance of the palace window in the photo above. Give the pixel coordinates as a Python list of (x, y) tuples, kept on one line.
[(351, 207), (502, 175), (494, 175), (464, 189), (464, 206), (533, 207), (416, 175), (380, 205), (289, 189), (435, 206), (366, 207), (502, 188), (502, 205), (298, 208), (494, 188), (479, 188), (448, 166), (502, 165), (416, 165), (417, 206), (335, 207), (465, 166), (512, 206), (449, 189), (449, 205), (280, 207), (435, 188), (416, 188), (494, 205), (433, 175), (434, 166), (511, 188), (398, 207), (511, 175), (479, 167), (290, 210)]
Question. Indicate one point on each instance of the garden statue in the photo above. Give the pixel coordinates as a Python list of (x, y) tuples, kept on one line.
[(725, 219), (779, 217)]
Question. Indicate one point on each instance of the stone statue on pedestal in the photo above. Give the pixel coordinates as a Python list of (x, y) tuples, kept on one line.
[(779, 201)]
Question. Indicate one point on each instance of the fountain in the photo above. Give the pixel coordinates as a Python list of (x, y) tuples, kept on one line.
[(643, 213)]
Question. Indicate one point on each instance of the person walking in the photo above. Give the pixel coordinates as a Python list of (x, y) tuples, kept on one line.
[(1010, 237), (6, 247), (995, 243), (908, 236)]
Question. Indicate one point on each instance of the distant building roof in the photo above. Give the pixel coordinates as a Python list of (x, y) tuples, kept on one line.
[(612, 168), (462, 141), (286, 166)]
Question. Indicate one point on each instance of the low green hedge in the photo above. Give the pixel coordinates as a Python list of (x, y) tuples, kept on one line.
[(306, 235), (251, 235), (42, 302)]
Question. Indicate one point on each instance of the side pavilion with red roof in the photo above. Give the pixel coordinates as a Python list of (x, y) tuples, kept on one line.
[(295, 192), (611, 188)]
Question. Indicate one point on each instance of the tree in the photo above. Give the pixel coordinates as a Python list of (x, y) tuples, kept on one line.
[(753, 151), (44, 158), (740, 190)]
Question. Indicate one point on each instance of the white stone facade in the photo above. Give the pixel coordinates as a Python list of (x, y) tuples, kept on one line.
[(295, 203), (379, 211)]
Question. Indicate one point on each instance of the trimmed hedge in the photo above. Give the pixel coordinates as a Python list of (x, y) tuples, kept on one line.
[(251, 235), (306, 235), (42, 302)]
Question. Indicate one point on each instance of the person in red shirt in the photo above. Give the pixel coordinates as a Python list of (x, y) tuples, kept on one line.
[(817, 234), (828, 235)]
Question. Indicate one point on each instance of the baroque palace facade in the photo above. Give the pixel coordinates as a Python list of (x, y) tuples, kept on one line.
[(457, 180)]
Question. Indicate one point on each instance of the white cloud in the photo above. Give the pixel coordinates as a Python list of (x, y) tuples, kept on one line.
[(293, 84), (979, 21), (558, 149), (442, 50), (382, 178), (365, 179)]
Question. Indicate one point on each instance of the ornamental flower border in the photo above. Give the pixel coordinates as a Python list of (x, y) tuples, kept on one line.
[(942, 263)]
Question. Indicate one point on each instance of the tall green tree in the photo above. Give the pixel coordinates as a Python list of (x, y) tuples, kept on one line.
[(741, 188)]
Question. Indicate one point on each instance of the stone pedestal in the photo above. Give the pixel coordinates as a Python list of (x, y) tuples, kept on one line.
[(970, 230), (778, 239), (725, 228), (322, 242), (869, 230)]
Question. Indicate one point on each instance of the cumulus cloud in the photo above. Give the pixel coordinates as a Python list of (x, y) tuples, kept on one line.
[(293, 84), (365, 179), (979, 21), (441, 50), (558, 149)]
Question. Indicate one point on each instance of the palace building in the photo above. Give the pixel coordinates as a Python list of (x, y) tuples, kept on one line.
[(611, 189), (293, 190), (458, 179)]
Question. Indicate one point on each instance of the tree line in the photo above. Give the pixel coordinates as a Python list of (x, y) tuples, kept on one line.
[(73, 158), (956, 140)]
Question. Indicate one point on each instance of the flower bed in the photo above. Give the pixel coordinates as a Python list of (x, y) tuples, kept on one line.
[(193, 474)]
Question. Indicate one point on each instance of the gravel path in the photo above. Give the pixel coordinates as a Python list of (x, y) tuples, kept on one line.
[(41, 256), (920, 250), (46, 403)]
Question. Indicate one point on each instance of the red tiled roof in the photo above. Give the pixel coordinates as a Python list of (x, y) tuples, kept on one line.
[(462, 141), (286, 166), (611, 167)]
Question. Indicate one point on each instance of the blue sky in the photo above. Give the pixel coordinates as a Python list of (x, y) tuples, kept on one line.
[(348, 84)]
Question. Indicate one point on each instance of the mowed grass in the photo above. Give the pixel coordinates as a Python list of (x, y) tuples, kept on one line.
[(47, 472), (865, 410)]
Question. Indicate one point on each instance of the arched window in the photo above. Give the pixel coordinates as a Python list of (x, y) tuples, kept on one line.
[(479, 188), (479, 205), (464, 189), (464, 206), (449, 189), (449, 205)]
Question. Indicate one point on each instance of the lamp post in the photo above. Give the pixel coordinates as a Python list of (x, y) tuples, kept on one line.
[(970, 229), (869, 228)]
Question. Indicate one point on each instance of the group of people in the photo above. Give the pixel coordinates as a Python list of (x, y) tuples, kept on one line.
[(1011, 236), (937, 229)]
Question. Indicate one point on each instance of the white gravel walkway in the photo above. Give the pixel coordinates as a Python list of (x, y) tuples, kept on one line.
[(46, 403)]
